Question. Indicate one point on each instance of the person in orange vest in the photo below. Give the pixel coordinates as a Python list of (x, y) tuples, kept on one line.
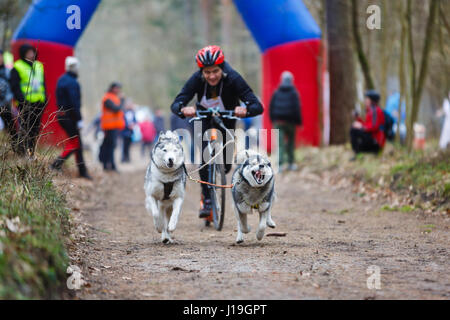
[(112, 121)]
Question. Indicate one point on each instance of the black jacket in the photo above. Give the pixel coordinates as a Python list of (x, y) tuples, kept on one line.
[(68, 96), (234, 89), (285, 105)]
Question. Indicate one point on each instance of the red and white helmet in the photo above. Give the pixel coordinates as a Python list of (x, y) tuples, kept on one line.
[(209, 56)]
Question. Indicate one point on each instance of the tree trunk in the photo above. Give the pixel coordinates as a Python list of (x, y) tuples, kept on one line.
[(417, 85), (359, 47), (341, 68), (5, 31), (401, 68), (188, 18), (226, 28), (206, 17), (385, 54)]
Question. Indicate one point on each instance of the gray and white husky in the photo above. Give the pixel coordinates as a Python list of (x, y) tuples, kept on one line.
[(165, 184), (253, 188)]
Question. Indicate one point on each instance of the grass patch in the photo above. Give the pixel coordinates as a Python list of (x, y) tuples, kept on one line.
[(421, 177), (406, 208), (423, 174), (388, 208), (34, 224), (446, 191), (427, 228)]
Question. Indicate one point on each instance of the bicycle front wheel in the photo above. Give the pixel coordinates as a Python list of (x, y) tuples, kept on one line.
[(217, 175)]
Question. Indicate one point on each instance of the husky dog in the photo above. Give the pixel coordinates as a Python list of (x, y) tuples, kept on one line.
[(165, 184), (253, 188)]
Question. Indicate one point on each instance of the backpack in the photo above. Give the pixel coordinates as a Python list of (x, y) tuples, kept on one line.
[(388, 126)]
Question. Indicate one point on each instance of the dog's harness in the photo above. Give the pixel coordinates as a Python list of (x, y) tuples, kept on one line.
[(168, 186)]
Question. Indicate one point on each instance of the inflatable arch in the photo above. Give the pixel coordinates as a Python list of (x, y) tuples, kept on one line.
[(289, 39), (285, 31)]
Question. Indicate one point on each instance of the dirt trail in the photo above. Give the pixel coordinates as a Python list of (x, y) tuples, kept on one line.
[(332, 238)]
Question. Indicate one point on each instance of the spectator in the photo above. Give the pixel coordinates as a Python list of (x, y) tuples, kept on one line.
[(444, 141), (148, 133), (158, 122), (68, 99), (5, 103), (28, 87), (368, 135), (112, 121), (285, 114), (127, 133), (392, 108)]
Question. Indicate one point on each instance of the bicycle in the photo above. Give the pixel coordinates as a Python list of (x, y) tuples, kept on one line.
[(216, 171)]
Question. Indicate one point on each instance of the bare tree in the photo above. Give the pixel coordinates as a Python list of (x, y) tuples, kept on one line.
[(341, 67), (9, 9), (359, 47), (385, 42), (206, 18), (417, 84), (226, 27), (401, 68)]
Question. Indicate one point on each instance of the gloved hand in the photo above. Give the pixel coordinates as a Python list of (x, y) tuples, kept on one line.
[(80, 124)]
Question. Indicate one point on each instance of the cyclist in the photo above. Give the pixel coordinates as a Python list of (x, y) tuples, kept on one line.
[(216, 84)]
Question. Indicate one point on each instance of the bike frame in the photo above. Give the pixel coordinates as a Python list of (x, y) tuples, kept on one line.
[(215, 116)]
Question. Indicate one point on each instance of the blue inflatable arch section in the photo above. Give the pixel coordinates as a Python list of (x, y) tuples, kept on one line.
[(47, 20), (276, 22)]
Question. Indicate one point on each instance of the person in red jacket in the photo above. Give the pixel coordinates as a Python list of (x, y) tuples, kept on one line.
[(148, 133), (368, 135)]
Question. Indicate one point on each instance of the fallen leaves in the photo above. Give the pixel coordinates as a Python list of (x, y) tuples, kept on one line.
[(304, 274), (14, 225), (178, 269)]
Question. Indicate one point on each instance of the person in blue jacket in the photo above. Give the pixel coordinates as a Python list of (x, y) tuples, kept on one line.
[(127, 133), (68, 96), (5, 103)]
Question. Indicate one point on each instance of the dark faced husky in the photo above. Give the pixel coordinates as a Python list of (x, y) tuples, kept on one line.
[(253, 188), (165, 184)]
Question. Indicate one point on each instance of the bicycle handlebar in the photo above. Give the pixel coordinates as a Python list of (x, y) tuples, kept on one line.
[(215, 113)]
